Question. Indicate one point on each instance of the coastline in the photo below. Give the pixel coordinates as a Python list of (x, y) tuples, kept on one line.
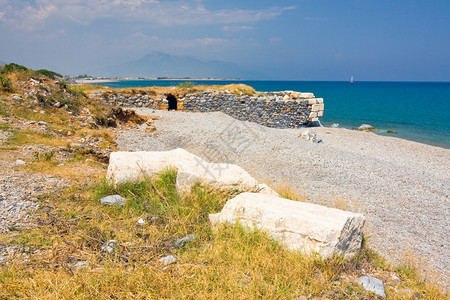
[(89, 81)]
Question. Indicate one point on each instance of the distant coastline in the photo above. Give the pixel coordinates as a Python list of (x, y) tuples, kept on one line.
[(106, 80)]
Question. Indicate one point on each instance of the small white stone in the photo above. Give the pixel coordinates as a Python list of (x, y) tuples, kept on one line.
[(113, 200), (167, 260), (373, 284), (141, 221), (20, 162)]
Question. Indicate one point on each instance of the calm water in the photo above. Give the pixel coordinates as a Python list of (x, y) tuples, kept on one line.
[(418, 111)]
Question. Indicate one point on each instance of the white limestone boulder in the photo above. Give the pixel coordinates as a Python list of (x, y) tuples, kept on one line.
[(297, 225), (135, 166), (221, 176)]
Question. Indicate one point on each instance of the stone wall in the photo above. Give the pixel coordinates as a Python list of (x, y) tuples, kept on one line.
[(273, 109)]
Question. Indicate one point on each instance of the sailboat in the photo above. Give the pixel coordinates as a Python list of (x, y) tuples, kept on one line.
[(351, 79)]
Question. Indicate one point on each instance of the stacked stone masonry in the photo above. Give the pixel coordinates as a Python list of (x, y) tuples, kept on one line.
[(286, 109)]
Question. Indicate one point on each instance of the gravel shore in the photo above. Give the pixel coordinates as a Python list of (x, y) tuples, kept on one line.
[(402, 187)]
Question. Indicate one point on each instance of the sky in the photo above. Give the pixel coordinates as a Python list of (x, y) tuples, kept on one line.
[(373, 40)]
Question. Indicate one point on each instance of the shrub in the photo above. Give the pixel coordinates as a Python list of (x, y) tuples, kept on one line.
[(186, 85), (5, 84), (8, 68), (49, 74)]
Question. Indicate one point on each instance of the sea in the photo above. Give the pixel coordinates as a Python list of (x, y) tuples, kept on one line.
[(417, 111)]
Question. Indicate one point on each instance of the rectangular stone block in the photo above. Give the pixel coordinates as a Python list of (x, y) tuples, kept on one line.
[(306, 95), (296, 225), (313, 115), (317, 107)]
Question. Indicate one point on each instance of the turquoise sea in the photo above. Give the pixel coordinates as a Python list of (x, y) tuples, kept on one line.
[(418, 111)]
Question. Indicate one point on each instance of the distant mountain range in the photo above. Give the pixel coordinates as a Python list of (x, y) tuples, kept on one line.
[(158, 64)]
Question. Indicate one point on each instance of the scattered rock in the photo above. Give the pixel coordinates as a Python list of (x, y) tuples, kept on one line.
[(186, 239), (391, 131), (334, 125), (19, 162), (42, 123), (110, 246), (366, 127), (113, 200), (141, 222), (78, 265), (395, 278), (410, 294), (297, 225), (372, 284), (17, 98), (77, 145), (167, 260), (310, 135)]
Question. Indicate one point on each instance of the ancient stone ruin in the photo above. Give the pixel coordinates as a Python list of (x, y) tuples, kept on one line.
[(286, 109)]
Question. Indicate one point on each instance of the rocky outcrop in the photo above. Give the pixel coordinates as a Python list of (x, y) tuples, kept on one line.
[(297, 225)]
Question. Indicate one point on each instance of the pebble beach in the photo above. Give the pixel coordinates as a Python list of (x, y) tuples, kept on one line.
[(402, 187)]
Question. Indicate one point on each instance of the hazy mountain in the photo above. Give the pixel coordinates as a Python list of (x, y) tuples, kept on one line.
[(157, 64)]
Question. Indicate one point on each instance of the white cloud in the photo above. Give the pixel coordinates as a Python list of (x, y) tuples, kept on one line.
[(157, 43), (29, 16), (236, 28)]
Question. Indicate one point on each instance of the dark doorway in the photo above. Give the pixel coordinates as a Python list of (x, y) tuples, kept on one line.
[(172, 102)]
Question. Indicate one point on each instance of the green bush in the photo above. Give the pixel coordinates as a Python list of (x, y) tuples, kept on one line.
[(5, 84), (8, 68), (186, 85), (49, 74)]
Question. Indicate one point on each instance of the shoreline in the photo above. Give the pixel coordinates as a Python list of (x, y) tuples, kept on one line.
[(397, 135)]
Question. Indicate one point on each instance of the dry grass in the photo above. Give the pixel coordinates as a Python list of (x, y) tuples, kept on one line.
[(237, 89), (286, 191), (229, 262)]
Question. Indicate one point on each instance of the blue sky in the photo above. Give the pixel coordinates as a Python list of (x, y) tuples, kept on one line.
[(297, 40)]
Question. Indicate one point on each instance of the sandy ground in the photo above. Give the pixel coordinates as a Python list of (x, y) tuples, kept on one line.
[(402, 187)]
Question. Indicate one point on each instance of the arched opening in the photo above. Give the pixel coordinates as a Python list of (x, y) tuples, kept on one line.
[(172, 102)]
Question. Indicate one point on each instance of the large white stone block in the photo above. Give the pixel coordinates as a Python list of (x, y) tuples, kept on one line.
[(135, 166), (297, 225), (224, 176)]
